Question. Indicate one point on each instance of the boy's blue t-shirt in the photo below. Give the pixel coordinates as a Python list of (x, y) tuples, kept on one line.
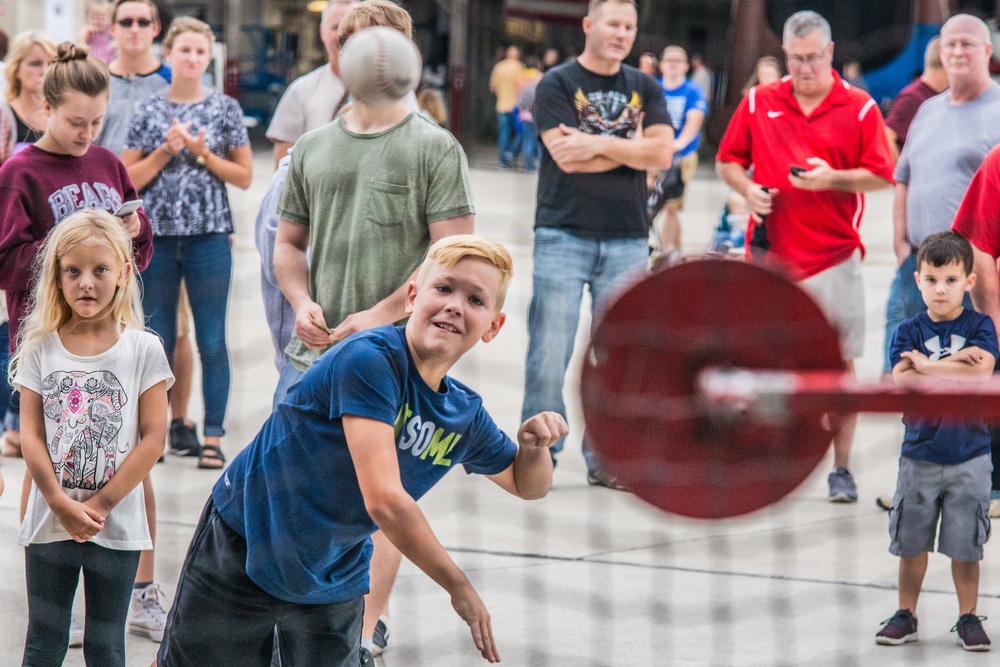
[(947, 442), (293, 492), (685, 97)]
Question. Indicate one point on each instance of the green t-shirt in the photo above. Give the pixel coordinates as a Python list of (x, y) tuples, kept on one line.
[(367, 200)]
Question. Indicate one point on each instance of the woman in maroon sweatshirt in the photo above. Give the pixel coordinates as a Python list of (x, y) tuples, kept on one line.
[(61, 173)]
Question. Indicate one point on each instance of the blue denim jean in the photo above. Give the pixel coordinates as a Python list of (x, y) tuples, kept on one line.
[(564, 265), (205, 262), (507, 138), (289, 375), (51, 572), (531, 150), (905, 302)]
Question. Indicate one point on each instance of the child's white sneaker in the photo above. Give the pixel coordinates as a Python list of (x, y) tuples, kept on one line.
[(146, 615), (995, 508)]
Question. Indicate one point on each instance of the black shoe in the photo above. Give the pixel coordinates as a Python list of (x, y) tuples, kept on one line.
[(366, 658), (184, 439), (899, 629), (381, 637), (598, 478), (971, 635)]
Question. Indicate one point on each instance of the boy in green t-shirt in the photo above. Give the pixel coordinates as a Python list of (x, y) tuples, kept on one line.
[(365, 196)]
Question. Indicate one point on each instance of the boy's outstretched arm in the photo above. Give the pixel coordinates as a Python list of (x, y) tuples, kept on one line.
[(395, 512), (530, 475)]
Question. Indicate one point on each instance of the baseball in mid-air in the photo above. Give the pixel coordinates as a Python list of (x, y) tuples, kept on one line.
[(379, 66)]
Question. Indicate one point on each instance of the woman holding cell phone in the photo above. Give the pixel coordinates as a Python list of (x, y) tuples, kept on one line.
[(61, 173), (182, 149)]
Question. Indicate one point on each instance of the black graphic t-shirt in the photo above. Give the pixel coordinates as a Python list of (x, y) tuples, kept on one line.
[(610, 204)]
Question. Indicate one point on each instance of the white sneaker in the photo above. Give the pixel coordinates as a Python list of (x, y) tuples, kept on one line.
[(146, 616), (75, 633), (995, 508)]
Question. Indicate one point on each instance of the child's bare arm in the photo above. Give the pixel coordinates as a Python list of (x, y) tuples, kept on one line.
[(152, 438), (80, 521), (395, 512), (530, 475)]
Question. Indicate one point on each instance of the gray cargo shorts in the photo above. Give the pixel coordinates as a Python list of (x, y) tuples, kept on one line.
[(959, 494)]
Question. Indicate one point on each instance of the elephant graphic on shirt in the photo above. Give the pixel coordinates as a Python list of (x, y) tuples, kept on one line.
[(87, 410)]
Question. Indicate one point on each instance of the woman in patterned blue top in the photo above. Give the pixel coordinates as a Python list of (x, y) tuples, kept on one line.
[(182, 149)]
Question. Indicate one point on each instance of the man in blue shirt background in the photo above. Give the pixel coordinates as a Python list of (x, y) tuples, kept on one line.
[(687, 108)]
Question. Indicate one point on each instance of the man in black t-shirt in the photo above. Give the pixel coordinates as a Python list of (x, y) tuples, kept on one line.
[(602, 125)]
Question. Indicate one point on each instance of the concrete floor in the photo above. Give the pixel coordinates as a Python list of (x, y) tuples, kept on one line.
[(587, 576)]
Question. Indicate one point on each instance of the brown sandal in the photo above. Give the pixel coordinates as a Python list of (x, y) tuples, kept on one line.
[(211, 458)]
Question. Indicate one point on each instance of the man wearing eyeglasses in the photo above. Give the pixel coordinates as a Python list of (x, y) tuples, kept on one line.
[(817, 144), (947, 141)]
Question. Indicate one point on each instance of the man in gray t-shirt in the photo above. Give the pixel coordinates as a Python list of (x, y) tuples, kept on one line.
[(949, 137), (136, 73)]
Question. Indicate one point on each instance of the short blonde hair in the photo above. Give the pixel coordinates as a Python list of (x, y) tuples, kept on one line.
[(18, 52), (373, 13), (596, 4), (47, 308), (450, 250), (183, 24)]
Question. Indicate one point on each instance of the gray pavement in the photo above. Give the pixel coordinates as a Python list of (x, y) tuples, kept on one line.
[(587, 576)]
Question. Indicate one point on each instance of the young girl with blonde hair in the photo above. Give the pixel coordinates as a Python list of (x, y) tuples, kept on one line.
[(93, 386)]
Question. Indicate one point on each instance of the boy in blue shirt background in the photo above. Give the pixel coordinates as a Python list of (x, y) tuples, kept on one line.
[(282, 549), (945, 466)]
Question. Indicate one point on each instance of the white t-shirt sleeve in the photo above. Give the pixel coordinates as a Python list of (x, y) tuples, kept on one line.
[(156, 368), (308, 104), (288, 122), (29, 373)]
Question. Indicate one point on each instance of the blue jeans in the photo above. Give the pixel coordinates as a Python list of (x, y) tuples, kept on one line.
[(531, 151), (205, 261), (289, 376), (905, 302), (564, 265), (507, 138), (51, 572)]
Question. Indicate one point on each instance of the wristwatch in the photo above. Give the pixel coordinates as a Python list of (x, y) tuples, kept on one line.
[(200, 159)]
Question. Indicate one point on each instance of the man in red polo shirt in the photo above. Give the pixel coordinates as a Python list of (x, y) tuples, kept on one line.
[(834, 132), (978, 219)]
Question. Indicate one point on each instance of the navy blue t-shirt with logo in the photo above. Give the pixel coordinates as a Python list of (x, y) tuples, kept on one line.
[(947, 442), (607, 205), (293, 492)]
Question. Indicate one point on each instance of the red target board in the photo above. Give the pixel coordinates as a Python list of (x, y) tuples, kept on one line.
[(652, 427)]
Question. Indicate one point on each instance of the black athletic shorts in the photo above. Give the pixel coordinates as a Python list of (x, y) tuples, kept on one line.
[(221, 618)]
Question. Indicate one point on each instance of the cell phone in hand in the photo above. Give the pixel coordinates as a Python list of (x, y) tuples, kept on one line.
[(128, 208), (797, 171)]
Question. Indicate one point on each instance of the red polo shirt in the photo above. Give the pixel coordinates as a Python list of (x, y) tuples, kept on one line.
[(809, 230), (978, 217)]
